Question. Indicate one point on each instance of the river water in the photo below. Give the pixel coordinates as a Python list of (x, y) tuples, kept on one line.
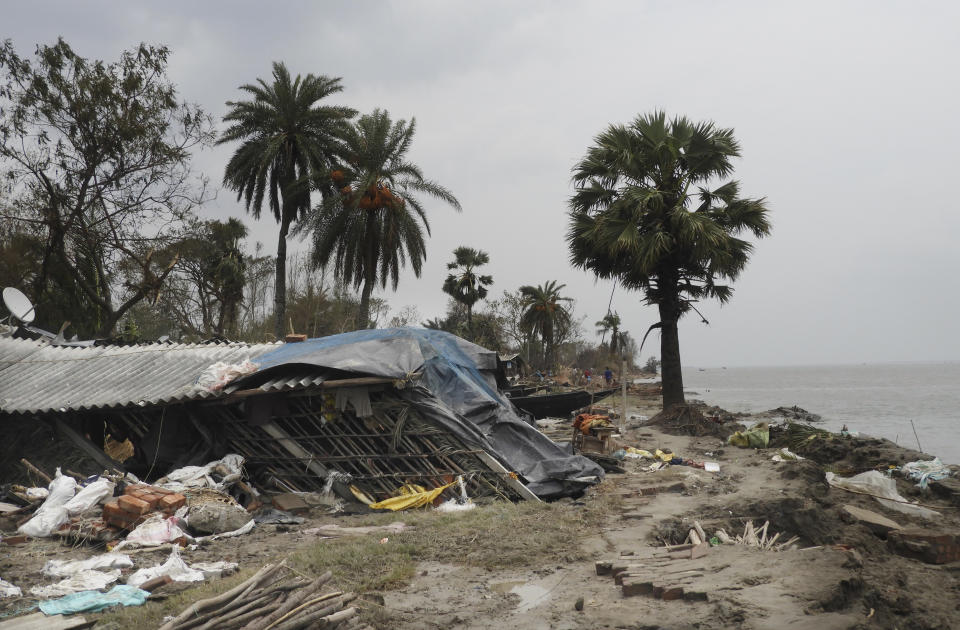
[(875, 399)]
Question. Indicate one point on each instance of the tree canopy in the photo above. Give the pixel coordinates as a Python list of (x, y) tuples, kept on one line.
[(467, 287), (650, 209), (98, 157)]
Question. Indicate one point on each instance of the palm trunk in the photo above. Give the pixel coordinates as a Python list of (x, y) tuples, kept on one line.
[(280, 282), (670, 368), (364, 314), (470, 320)]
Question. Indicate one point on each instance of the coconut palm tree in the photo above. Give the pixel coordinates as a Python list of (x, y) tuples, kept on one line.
[(544, 314), (286, 137), (651, 210), (467, 287), (374, 221), (611, 324)]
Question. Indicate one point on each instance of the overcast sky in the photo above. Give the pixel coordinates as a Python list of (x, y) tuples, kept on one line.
[(847, 113)]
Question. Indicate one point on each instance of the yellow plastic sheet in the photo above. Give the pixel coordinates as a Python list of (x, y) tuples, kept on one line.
[(666, 457), (757, 436), (410, 496)]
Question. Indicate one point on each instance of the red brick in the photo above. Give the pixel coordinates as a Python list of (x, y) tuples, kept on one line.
[(671, 594), (657, 591), (112, 508), (633, 587), (133, 505), (171, 502)]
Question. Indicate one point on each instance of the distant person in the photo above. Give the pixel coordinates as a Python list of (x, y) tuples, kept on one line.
[(586, 375), (608, 376)]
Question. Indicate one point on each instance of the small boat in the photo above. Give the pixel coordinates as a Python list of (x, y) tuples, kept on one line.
[(521, 390), (559, 405)]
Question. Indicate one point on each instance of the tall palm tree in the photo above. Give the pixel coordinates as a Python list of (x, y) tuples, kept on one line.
[(373, 223), (286, 137), (611, 324), (467, 287), (544, 314), (648, 210)]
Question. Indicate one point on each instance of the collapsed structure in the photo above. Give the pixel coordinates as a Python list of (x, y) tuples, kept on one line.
[(372, 409)]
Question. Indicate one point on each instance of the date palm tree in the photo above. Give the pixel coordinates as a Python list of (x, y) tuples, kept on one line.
[(374, 221), (652, 210), (544, 313), (467, 287), (285, 137)]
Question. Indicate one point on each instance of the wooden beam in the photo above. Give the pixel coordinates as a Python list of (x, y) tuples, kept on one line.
[(89, 448), (496, 466)]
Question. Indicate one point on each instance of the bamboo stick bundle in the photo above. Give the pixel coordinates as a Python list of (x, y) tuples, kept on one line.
[(272, 599)]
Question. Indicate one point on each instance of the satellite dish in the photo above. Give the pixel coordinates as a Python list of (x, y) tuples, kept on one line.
[(18, 304)]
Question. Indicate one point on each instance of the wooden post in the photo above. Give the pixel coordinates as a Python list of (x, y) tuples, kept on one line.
[(623, 391)]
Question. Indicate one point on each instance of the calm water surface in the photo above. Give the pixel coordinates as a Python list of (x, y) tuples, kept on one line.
[(878, 399)]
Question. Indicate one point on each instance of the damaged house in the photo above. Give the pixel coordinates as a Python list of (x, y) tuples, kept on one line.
[(362, 412)]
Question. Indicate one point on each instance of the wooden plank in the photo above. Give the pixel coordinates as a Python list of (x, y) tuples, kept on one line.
[(496, 466), (39, 621), (88, 447)]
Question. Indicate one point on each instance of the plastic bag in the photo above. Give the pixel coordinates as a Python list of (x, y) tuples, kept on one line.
[(410, 496), (881, 487), (757, 436), (923, 472), (230, 469), (52, 514), (67, 568), (9, 590), (175, 567), (90, 580), (89, 496), (94, 601), (786, 455)]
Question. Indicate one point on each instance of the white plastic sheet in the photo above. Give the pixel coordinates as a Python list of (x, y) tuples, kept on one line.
[(90, 580), (174, 566), (216, 376), (89, 496), (37, 493), (190, 477), (9, 590), (52, 514), (68, 568), (883, 488), (923, 472)]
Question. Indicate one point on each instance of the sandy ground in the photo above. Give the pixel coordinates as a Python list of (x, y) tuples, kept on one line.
[(840, 575)]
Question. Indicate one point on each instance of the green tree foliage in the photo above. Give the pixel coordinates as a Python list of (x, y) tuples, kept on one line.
[(374, 221), (649, 210), (98, 158), (466, 286), (545, 315), (285, 138)]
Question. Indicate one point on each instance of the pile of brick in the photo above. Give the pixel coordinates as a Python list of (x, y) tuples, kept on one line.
[(645, 575), (932, 547), (138, 502)]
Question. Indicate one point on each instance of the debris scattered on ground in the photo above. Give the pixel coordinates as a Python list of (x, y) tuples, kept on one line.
[(94, 601), (883, 489)]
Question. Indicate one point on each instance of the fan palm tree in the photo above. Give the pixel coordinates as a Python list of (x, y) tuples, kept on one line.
[(286, 137), (373, 223), (650, 209), (611, 324), (467, 287), (544, 314)]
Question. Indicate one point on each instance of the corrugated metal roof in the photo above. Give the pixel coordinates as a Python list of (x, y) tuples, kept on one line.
[(36, 377)]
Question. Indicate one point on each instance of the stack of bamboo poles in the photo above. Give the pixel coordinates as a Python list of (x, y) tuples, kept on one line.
[(270, 600)]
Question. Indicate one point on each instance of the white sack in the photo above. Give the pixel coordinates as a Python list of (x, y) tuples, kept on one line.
[(52, 514), (89, 496), (156, 530), (9, 590), (189, 477)]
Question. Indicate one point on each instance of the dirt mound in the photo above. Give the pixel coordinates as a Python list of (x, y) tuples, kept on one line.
[(690, 420), (844, 453)]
